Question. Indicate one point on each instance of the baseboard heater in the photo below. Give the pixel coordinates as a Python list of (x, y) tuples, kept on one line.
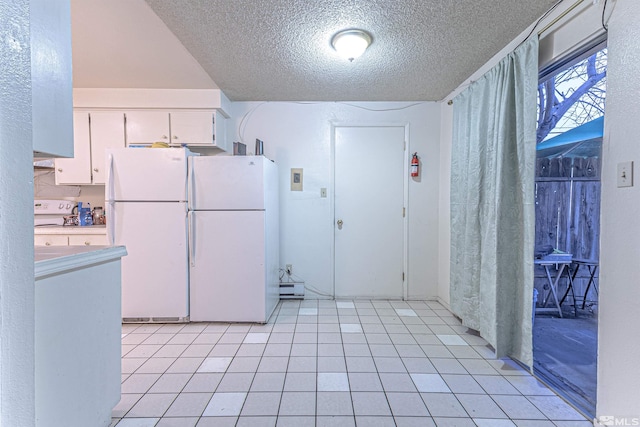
[(291, 290)]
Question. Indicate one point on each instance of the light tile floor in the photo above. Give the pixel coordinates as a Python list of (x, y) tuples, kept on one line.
[(329, 363)]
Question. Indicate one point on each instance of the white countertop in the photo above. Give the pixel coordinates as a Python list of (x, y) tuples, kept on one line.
[(70, 229), (57, 259)]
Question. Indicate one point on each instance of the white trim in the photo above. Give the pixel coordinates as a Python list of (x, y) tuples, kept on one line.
[(73, 258)]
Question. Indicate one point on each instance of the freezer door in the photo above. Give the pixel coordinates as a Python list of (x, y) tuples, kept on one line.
[(155, 271), (227, 269), (146, 174), (226, 183)]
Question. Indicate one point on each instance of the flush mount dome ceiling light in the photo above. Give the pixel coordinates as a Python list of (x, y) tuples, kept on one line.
[(350, 44)]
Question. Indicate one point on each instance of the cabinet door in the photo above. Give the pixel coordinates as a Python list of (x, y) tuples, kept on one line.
[(192, 128), (107, 131), (147, 127), (77, 170)]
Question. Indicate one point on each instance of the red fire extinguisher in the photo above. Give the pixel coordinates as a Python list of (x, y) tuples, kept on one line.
[(415, 165)]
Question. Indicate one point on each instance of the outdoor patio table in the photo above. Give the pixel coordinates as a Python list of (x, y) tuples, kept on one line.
[(562, 264), (592, 266)]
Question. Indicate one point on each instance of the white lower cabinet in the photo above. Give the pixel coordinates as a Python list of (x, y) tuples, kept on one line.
[(51, 240), (88, 240), (93, 133)]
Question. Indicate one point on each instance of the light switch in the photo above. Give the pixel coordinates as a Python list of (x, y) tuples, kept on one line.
[(625, 174), (296, 179)]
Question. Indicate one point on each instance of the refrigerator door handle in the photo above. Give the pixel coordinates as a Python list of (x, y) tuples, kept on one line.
[(191, 192), (192, 243), (112, 211)]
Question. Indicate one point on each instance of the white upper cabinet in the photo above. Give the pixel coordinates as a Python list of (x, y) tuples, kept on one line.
[(177, 128), (93, 133), (192, 128), (107, 131), (147, 127), (77, 170)]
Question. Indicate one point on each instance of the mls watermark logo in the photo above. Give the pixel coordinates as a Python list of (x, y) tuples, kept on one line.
[(608, 420)]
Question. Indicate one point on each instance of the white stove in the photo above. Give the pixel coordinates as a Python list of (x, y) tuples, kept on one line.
[(51, 212)]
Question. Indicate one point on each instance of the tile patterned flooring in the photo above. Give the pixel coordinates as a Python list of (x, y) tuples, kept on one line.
[(329, 363)]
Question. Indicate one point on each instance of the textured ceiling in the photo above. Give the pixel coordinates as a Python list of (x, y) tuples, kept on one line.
[(279, 50)]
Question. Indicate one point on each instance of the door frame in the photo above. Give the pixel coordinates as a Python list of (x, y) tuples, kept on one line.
[(405, 194)]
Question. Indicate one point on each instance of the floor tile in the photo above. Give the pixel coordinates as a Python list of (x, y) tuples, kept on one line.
[(364, 382), (139, 383), (138, 422), (261, 403), (407, 404), (189, 405), (256, 421), (302, 364), (235, 382), (454, 422), (170, 383), (336, 421), (430, 383), (443, 405), (300, 381), (462, 384), (225, 405), (398, 382), (332, 382), (414, 422), (370, 403), (177, 422), (487, 422), (334, 403), (451, 340), (349, 328), (480, 406), (268, 381), (215, 364), (256, 337), (295, 421), (375, 421), (298, 403), (151, 405), (126, 403), (203, 383), (329, 363), (555, 408)]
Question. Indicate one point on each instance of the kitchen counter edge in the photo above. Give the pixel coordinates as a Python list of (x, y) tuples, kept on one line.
[(53, 260)]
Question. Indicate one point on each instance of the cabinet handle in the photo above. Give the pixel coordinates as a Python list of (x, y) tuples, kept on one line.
[(87, 243), (175, 136), (59, 169), (95, 169), (47, 243), (164, 137)]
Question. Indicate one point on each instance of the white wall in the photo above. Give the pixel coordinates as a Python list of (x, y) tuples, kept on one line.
[(619, 320), (298, 135), (17, 321)]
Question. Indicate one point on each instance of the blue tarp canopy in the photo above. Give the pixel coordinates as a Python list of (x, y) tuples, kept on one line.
[(582, 141)]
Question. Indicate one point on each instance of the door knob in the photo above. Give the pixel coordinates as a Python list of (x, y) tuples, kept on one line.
[(340, 224)]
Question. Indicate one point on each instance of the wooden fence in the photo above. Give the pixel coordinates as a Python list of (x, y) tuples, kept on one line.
[(567, 202)]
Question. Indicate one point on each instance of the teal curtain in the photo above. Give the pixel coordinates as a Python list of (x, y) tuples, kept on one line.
[(492, 203)]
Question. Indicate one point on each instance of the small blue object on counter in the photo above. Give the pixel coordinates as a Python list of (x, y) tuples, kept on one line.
[(85, 217)]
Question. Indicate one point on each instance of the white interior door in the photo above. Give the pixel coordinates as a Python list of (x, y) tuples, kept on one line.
[(369, 201)]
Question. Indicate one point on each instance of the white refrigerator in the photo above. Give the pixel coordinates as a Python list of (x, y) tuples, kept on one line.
[(233, 236), (146, 192)]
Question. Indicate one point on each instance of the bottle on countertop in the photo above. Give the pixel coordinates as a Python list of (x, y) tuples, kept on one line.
[(85, 217)]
